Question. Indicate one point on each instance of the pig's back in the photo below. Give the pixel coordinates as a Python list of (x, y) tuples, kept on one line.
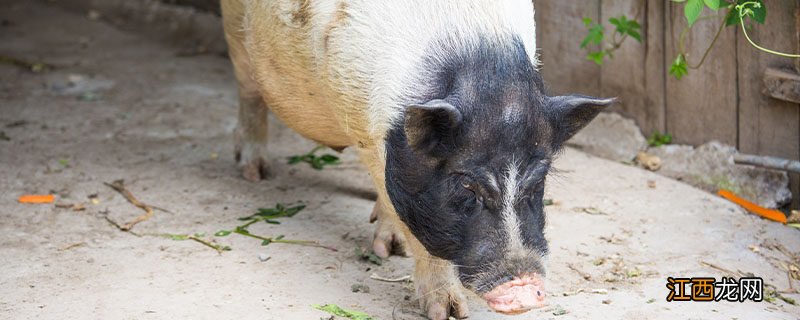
[(355, 63)]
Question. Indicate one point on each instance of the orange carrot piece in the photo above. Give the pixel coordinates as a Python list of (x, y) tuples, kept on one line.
[(770, 214), (37, 198)]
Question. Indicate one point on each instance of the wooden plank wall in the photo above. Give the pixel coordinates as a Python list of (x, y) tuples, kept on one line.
[(768, 126), (721, 100)]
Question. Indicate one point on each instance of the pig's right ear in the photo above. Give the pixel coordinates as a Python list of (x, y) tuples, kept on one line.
[(571, 113), (428, 125)]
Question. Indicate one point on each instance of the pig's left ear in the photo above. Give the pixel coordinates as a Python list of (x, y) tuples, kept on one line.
[(569, 114), (428, 125)]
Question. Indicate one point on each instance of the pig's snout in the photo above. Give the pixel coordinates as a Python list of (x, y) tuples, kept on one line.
[(518, 295)]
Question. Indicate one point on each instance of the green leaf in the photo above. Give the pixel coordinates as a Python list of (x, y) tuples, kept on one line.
[(316, 162), (657, 139), (369, 256), (756, 12), (339, 311), (732, 18), (241, 229), (759, 12), (223, 233), (714, 4), (587, 21), (595, 35), (679, 67), (597, 57), (295, 159), (692, 10), (329, 158), (624, 26), (177, 237)]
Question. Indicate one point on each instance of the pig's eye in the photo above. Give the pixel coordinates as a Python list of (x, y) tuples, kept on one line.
[(468, 185), (472, 187)]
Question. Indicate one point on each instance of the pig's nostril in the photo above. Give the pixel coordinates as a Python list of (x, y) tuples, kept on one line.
[(538, 293)]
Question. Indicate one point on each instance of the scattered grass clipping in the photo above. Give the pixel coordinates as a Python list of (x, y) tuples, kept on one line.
[(268, 215), (315, 161), (339, 311), (197, 237), (368, 255)]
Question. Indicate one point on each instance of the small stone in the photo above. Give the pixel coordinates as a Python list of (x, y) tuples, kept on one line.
[(559, 311), (263, 257), (607, 301), (359, 287), (600, 291), (74, 79), (93, 14), (648, 161)]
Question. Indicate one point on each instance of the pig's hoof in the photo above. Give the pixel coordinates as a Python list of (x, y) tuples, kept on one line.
[(252, 161), (443, 304), (255, 169), (389, 240)]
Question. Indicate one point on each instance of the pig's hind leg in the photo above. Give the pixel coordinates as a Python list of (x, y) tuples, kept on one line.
[(250, 137)]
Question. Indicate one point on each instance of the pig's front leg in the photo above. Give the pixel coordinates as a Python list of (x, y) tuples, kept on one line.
[(438, 289), (389, 238), (251, 137)]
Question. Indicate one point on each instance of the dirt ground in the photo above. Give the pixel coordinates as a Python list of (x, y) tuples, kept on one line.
[(119, 106)]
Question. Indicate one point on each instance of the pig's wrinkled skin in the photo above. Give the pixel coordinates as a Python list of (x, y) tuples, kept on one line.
[(444, 102)]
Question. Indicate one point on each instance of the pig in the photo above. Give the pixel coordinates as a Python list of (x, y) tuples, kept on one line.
[(444, 102)]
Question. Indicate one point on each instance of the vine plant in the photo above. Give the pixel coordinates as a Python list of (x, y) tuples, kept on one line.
[(732, 12)]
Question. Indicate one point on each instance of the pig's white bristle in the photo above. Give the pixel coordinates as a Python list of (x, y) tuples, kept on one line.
[(510, 220)]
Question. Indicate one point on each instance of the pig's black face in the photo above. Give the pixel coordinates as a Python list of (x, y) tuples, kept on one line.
[(466, 171)]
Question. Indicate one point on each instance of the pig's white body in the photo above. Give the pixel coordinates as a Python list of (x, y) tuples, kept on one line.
[(365, 55)]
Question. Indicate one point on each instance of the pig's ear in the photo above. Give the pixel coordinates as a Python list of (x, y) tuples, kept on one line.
[(427, 125), (569, 114)]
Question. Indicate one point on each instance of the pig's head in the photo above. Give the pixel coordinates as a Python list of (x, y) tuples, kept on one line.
[(466, 172)]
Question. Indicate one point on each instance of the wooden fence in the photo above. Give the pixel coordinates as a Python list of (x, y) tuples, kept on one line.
[(722, 100)]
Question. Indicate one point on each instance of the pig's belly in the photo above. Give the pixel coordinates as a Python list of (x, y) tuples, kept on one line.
[(314, 120)]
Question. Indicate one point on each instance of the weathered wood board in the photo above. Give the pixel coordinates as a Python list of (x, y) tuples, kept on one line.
[(636, 72), (559, 30)]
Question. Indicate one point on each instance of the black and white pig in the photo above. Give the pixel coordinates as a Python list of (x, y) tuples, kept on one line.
[(445, 104)]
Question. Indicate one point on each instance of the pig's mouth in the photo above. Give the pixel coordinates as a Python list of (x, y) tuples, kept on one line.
[(518, 295)]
